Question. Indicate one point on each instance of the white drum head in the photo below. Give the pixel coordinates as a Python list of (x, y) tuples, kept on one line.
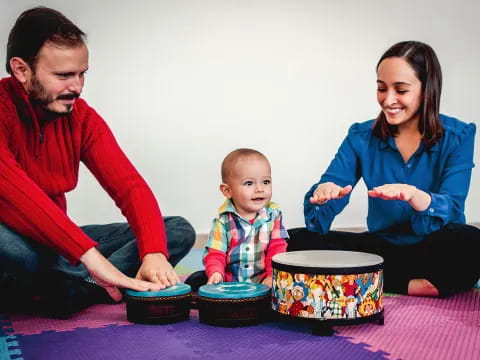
[(327, 259)]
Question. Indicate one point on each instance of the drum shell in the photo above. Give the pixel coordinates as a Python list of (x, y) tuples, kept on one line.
[(337, 294), (234, 312), (158, 310)]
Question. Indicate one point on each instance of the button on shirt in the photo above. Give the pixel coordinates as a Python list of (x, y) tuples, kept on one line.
[(443, 171), (245, 243)]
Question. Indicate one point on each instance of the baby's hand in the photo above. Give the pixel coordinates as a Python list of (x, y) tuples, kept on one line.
[(215, 278), (267, 281)]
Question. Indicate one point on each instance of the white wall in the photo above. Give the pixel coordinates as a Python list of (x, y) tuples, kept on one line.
[(182, 83)]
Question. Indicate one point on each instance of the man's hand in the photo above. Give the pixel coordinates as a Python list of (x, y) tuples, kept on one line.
[(156, 269), (329, 191), (110, 278), (215, 278)]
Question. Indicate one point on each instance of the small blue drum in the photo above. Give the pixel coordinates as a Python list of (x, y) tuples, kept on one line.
[(336, 287), (233, 304), (159, 307)]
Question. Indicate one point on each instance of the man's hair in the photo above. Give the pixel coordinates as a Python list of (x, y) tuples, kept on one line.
[(228, 164), (424, 62), (36, 26)]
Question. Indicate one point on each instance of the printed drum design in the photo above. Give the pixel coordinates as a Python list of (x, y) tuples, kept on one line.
[(165, 306), (340, 287)]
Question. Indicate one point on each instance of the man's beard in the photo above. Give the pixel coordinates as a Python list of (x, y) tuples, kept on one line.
[(39, 95)]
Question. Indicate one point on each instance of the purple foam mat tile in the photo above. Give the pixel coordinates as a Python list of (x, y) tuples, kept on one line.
[(191, 340), (415, 328)]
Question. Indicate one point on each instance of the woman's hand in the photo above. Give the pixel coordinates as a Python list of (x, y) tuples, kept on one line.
[(418, 199), (215, 278), (110, 278), (329, 191)]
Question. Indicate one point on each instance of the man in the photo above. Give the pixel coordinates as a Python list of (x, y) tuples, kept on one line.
[(46, 130)]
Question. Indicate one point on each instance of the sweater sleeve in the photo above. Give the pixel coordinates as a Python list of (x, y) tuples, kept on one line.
[(27, 209), (116, 174)]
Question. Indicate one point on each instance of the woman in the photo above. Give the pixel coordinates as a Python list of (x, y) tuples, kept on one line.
[(417, 164)]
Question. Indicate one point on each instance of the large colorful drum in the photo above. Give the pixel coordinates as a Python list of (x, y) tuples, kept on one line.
[(340, 287), (233, 304), (165, 306)]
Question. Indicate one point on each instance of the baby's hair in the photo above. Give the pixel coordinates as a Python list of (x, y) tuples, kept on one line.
[(231, 159)]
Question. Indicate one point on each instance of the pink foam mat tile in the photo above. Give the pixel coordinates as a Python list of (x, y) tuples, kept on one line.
[(424, 328), (96, 316)]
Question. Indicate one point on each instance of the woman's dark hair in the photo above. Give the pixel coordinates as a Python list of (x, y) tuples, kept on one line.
[(36, 26), (424, 62)]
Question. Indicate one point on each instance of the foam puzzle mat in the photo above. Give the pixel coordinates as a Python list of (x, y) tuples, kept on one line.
[(415, 328)]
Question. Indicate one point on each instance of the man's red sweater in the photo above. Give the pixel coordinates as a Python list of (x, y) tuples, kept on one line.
[(39, 163)]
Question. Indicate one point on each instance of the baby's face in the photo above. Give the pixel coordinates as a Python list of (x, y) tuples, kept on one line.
[(250, 185)]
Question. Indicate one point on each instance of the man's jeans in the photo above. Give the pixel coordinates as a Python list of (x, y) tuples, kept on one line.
[(30, 262)]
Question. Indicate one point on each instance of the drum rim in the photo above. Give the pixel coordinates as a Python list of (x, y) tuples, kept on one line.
[(327, 270), (333, 321), (175, 290), (239, 301), (376, 259), (261, 290), (165, 299)]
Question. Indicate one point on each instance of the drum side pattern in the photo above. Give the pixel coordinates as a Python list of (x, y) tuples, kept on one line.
[(327, 296)]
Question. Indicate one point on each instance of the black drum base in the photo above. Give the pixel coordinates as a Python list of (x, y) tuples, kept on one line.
[(234, 312), (325, 327), (158, 310), (322, 330)]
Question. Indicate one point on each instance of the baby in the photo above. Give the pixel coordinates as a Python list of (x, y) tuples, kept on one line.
[(248, 230)]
